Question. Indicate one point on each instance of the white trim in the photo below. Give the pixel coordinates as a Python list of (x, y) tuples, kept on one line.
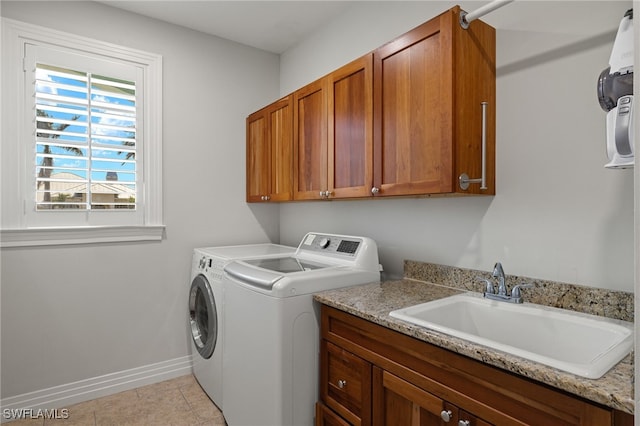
[(14, 35), (32, 237), (97, 387)]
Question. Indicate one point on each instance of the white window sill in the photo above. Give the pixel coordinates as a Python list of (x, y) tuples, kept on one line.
[(32, 237)]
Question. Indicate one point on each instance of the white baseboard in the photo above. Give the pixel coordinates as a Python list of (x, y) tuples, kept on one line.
[(85, 390)]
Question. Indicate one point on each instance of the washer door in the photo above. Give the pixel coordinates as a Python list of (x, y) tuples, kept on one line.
[(203, 316)]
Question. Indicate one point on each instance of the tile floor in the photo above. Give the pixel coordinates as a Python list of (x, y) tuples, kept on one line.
[(176, 402)]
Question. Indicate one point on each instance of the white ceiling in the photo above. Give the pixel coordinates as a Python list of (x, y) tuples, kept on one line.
[(275, 26)]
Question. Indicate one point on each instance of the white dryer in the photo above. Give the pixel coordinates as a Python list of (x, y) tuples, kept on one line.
[(206, 308), (272, 331)]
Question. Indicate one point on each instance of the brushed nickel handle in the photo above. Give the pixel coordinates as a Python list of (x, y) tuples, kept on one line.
[(464, 423), (375, 190), (342, 384), (446, 415), (463, 179)]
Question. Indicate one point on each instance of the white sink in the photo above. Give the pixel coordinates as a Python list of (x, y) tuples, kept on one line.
[(585, 345)]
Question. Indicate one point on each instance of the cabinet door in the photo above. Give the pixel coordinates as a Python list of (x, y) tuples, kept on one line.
[(345, 383), (270, 153), (258, 158), (413, 106), (310, 141), (399, 403), (350, 129), (281, 137)]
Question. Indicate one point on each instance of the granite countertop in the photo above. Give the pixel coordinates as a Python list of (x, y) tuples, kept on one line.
[(374, 301)]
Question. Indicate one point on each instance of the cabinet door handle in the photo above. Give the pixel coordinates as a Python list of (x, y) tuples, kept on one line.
[(464, 423), (445, 415), (463, 179), (375, 190), (342, 384)]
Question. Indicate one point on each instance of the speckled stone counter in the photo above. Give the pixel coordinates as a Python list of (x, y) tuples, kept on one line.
[(374, 301)]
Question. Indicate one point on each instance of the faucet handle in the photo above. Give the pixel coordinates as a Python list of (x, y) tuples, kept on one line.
[(488, 285), (515, 292)]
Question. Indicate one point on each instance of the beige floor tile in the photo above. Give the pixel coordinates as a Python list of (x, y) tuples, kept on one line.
[(177, 402), (175, 418), (27, 422), (184, 380), (194, 394), (74, 419), (117, 401), (210, 414), (83, 407), (172, 398)]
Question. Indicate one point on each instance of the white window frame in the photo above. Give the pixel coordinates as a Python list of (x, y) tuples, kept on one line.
[(16, 145)]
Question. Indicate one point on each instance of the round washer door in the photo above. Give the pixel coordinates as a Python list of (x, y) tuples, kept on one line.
[(203, 316)]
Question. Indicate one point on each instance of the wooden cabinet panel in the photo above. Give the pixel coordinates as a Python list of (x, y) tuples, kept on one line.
[(399, 403), (310, 141), (281, 135), (351, 130), (345, 383), (270, 153), (326, 417), (429, 87), (258, 158), (413, 111)]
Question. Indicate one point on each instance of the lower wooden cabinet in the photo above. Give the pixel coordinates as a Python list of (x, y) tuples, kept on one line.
[(372, 375), (398, 402), (325, 416), (346, 383)]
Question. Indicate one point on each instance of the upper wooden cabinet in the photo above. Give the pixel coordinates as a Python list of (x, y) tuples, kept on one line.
[(429, 87), (404, 120), (350, 124), (333, 137), (270, 152), (310, 141)]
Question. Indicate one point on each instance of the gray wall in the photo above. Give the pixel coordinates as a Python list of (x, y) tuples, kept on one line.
[(72, 313), (558, 214)]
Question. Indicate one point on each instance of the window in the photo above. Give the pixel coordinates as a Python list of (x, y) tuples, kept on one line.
[(87, 141)]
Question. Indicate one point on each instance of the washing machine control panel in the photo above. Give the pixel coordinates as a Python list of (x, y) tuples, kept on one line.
[(334, 244), (212, 266)]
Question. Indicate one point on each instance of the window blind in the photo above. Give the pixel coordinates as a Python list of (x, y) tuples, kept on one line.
[(85, 148)]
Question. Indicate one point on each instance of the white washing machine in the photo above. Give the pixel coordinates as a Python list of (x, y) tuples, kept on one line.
[(271, 327), (206, 308)]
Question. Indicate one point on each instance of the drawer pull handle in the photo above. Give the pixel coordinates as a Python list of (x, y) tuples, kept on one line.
[(445, 415), (464, 423), (342, 384)]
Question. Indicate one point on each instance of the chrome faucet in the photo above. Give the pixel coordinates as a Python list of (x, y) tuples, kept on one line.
[(498, 273), (502, 294)]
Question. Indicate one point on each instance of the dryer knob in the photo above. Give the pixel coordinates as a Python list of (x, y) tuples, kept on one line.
[(324, 243)]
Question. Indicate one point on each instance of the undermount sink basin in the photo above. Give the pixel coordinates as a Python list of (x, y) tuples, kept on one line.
[(585, 345)]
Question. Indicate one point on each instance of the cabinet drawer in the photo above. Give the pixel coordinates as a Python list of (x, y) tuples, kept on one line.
[(346, 383), (326, 417)]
